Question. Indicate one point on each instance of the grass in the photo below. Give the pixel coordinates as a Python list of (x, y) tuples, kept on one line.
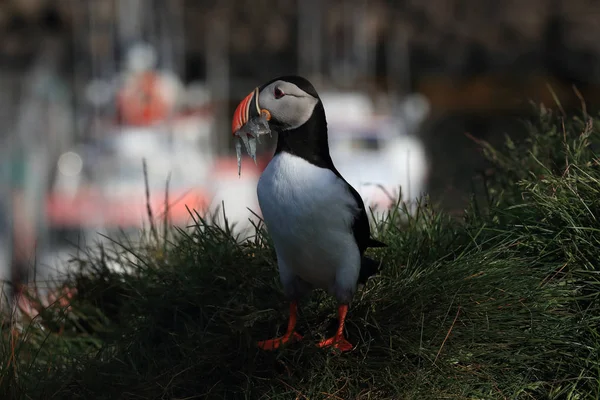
[(502, 303)]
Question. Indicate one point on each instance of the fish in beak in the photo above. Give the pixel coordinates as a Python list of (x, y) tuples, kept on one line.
[(248, 124)]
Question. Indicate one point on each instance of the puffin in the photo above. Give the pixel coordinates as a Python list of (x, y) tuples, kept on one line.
[(316, 219)]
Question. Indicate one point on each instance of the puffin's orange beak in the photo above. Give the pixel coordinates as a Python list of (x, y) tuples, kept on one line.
[(248, 108)]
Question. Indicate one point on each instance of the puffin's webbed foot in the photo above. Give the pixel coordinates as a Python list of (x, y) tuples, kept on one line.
[(274, 344), (290, 336), (338, 341)]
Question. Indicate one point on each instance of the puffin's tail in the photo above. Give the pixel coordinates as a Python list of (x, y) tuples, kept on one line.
[(368, 268)]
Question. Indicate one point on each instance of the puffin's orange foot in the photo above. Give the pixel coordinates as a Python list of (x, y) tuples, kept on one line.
[(338, 342), (273, 344)]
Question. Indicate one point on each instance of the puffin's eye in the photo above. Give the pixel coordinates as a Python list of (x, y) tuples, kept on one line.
[(278, 93)]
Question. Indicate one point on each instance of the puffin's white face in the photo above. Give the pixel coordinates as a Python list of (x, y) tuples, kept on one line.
[(290, 107), (287, 106)]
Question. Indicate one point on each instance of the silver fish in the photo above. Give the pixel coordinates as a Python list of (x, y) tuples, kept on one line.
[(249, 134)]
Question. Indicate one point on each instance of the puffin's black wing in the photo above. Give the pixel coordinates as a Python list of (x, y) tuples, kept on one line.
[(360, 226), (362, 235)]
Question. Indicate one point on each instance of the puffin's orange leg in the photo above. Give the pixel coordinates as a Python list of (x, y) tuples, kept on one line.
[(338, 340), (290, 335)]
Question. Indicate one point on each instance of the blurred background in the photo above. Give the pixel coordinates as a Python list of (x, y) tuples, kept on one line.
[(90, 88)]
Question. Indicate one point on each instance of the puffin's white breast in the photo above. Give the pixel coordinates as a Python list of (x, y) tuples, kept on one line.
[(309, 212)]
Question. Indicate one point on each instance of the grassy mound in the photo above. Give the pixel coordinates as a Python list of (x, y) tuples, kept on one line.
[(500, 304)]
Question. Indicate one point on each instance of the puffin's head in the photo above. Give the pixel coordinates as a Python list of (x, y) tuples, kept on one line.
[(288, 102)]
